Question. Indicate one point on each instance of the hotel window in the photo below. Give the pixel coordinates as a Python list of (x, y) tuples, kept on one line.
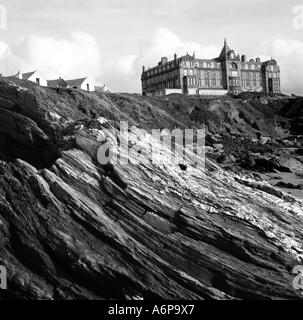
[(246, 67), (233, 65), (204, 65), (185, 72), (191, 72), (252, 67), (212, 65)]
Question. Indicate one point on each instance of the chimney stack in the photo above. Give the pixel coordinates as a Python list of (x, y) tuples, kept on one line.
[(243, 58), (164, 60), (19, 75)]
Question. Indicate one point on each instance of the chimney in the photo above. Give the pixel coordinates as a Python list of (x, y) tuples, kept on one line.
[(19, 75), (243, 58), (258, 59), (143, 69), (175, 56), (164, 60)]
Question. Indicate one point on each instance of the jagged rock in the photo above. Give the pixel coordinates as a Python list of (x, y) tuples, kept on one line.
[(226, 159), (288, 185), (218, 146), (72, 228)]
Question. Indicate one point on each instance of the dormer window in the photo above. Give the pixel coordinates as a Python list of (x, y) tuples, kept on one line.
[(233, 65)]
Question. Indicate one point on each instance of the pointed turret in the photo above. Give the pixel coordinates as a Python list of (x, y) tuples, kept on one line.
[(225, 50)]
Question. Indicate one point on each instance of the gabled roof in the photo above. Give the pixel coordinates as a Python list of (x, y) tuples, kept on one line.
[(26, 76), (102, 89), (187, 56), (75, 82), (57, 83)]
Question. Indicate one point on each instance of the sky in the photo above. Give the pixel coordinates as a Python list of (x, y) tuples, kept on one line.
[(110, 40)]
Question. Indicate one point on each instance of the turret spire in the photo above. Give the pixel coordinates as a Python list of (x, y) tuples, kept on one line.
[(225, 50)]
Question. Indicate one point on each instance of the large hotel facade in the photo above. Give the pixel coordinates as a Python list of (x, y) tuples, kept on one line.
[(229, 73)]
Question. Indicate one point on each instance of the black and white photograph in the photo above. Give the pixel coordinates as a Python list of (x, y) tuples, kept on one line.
[(151, 153)]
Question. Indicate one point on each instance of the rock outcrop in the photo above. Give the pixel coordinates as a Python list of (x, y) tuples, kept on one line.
[(72, 228)]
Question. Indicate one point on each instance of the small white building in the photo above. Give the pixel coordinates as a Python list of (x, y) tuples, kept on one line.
[(83, 84), (103, 88), (34, 76), (57, 83)]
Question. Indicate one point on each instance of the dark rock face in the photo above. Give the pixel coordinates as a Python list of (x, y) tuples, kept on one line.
[(282, 184), (71, 228)]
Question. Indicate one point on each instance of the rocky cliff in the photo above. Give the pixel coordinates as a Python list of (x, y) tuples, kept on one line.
[(71, 228)]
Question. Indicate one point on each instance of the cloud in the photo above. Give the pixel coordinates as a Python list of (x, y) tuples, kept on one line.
[(289, 55), (74, 56), (125, 72)]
